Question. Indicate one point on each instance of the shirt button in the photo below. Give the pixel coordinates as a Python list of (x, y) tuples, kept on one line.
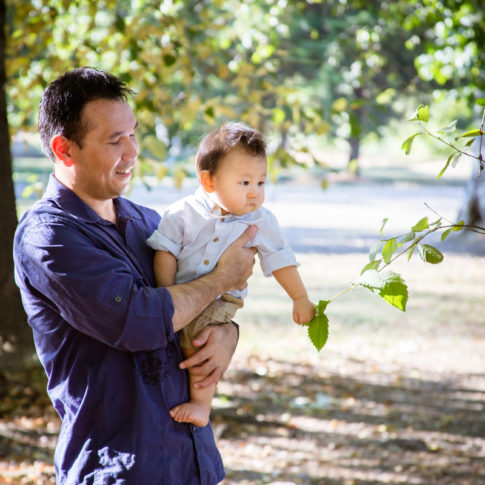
[(206, 262), (223, 219), (117, 299), (216, 239)]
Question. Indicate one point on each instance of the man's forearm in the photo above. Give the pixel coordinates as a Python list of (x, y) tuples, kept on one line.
[(190, 299)]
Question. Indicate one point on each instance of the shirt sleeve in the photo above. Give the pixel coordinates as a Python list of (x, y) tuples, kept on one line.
[(273, 250), (92, 289), (169, 234)]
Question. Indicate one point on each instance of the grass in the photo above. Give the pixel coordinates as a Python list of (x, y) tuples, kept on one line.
[(442, 329)]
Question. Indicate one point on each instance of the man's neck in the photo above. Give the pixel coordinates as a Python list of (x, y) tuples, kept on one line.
[(104, 208)]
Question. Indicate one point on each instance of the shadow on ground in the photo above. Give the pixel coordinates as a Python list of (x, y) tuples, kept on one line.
[(293, 423)]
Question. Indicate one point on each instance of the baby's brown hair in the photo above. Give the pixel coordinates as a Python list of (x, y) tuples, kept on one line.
[(230, 136)]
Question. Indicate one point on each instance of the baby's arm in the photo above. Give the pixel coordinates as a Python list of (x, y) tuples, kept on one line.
[(165, 266), (289, 278)]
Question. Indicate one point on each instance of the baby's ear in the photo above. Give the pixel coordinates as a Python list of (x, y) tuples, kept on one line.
[(205, 178)]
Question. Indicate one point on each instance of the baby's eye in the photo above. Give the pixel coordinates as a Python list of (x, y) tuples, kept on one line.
[(261, 183), (245, 182)]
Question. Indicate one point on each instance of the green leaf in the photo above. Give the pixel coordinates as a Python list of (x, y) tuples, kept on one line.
[(480, 101), (421, 114), (407, 144), (388, 250), (458, 226), (372, 265), (384, 222), (430, 254), (411, 251), (318, 327), (395, 292), (476, 132), (408, 237), (447, 164), (376, 249), (450, 128), (421, 225), (390, 286), (445, 234)]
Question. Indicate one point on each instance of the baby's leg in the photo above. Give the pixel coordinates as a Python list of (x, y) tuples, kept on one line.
[(197, 410)]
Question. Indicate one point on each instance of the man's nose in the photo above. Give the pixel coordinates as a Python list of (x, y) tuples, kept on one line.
[(131, 149)]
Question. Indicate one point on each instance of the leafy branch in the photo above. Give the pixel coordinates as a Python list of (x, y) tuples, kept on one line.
[(374, 275)]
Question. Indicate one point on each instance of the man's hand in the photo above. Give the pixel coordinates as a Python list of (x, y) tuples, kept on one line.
[(218, 343), (236, 263)]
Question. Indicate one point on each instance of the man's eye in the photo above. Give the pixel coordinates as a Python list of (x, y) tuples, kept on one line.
[(117, 142)]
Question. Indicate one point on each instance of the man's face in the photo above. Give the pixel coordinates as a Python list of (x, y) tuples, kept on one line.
[(103, 165)]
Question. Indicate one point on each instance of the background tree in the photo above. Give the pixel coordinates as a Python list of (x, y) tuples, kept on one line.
[(16, 346), (454, 57)]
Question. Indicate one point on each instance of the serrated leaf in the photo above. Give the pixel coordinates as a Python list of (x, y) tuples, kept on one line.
[(476, 132), (430, 254), (390, 286), (421, 225), (395, 291), (371, 280), (372, 265), (445, 234), (450, 128), (388, 250), (408, 143), (318, 327)]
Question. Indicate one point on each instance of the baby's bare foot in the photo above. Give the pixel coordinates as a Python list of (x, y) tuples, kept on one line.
[(191, 412)]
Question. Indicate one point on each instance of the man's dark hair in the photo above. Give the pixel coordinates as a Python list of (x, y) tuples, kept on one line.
[(63, 101), (230, 136)]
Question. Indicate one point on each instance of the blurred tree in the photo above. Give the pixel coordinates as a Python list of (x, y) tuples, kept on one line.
[(16, 345), (351, 59), (455, 58)]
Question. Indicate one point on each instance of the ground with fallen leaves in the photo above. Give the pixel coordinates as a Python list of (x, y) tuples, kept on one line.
[(392, 398)]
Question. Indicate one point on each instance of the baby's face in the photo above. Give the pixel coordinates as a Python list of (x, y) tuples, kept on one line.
[(239, 183)]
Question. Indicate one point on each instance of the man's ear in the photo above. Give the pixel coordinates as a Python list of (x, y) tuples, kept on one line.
[(206, 181), (61, 147)]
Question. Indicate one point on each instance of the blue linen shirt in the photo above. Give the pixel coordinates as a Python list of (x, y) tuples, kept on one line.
[(103, 332)]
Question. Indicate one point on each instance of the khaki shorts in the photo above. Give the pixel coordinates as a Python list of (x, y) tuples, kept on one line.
[(219, 311)]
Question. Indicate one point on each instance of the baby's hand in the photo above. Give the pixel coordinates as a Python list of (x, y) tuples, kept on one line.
[(303, 310)]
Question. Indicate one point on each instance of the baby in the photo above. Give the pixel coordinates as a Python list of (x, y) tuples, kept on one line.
[(231, 167)]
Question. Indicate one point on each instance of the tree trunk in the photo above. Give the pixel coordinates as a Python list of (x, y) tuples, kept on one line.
[(353, 163), (473, 208), (16, 346)]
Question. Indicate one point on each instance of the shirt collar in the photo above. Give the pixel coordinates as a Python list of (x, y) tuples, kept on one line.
[(203, 197), (69, 202)]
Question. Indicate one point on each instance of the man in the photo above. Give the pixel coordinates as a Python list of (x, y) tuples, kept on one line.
[(104, 333)]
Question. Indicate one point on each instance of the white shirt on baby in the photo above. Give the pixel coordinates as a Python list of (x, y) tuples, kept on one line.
[(194, 230)]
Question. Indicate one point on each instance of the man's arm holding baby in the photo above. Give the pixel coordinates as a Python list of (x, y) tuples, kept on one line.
[(190, 299), (289, 278)]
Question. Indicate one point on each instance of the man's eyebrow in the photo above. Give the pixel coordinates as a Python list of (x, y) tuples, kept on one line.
[(116, 134)]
